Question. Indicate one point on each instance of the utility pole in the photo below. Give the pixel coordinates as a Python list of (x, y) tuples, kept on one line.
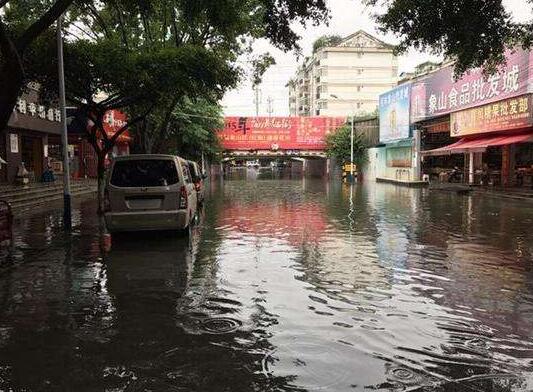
[(270, 107), (257, 100), (67, 213)]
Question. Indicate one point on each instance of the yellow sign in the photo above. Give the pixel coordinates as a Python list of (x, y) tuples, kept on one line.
[(511, 113), (347, 167)]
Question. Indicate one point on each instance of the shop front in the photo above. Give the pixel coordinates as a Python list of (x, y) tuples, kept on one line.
[(461, 121), (496, 142), (24, 143), (82, 157)]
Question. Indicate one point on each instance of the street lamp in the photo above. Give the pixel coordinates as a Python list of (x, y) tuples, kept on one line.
[(351, 137), (67, 214)]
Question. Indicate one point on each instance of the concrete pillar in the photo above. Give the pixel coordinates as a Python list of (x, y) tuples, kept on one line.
[(471, 168), (417, 173), (296, 167), (508, 165)]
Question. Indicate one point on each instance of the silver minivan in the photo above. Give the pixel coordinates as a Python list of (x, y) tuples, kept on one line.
[(149, 192)]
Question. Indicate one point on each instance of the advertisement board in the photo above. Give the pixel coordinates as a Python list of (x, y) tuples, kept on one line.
[(115, 120), (277, 133), (441, 93), (394, 114), (513, 113)]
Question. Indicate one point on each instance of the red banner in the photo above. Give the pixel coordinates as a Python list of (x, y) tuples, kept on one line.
[(114, 120), (277, 133)]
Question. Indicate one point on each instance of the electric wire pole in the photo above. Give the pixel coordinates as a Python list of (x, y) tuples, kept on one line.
[(67, 206), (257, 100), (270, 107)]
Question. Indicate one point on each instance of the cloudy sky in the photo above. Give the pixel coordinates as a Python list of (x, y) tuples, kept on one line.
[(347, 16)]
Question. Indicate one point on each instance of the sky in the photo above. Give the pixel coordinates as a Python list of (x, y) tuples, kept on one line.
[(347, 17)]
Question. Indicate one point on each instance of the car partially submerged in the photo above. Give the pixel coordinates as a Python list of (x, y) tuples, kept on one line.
[(198, 178), (149, 192)]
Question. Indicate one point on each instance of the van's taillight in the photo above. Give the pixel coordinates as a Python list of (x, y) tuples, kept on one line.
[(183, 197), (107, 202)]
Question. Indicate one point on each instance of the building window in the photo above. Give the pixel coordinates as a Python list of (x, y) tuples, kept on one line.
[(318, 112), (359, 104), (359, 54), (359, 71), (359, 88)]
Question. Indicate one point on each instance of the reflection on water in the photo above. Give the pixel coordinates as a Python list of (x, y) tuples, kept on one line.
[(284, 285)]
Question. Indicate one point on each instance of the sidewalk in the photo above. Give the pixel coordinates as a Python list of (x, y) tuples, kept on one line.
[(25, 197), (509, 193)]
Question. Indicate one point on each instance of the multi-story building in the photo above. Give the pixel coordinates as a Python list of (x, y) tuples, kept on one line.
[(345, 79)]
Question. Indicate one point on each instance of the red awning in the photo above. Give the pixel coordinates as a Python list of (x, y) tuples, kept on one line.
[(479, 144)]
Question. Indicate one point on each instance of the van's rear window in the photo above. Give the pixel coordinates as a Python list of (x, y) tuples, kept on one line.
[(144, 173)]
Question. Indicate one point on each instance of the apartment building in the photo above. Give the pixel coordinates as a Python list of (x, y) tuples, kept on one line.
[(345, 79)]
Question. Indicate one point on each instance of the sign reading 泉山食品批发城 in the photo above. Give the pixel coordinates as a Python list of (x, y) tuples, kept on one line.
[(440, 93)]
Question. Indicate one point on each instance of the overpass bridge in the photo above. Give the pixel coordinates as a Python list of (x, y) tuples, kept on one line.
[(300, 139)]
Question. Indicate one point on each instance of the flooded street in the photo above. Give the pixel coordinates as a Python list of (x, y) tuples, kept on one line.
[(284, 285)]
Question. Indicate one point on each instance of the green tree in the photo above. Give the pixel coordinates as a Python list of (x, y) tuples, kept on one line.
[(16, 35), (225, 27), (192, 131), (326, 41), (474, 33), (338, 146), (149, 56)]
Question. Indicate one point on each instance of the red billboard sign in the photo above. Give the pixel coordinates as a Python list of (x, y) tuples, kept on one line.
[(277, 133), (115, 120), (440, 93)]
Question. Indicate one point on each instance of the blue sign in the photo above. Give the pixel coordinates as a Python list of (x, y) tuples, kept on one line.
[(394, 107)]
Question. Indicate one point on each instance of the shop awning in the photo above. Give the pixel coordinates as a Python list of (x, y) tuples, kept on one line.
[(479, 144)]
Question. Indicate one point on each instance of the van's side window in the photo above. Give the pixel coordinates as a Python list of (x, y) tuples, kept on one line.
[(186, 174)]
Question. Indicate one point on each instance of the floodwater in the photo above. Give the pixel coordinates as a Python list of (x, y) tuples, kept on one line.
[(284, 285)]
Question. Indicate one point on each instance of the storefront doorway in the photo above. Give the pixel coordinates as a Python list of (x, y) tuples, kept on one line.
[(32, 155)]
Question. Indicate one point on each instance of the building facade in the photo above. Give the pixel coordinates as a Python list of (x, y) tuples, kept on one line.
[(27, 139), (476, 129), (345, 79)]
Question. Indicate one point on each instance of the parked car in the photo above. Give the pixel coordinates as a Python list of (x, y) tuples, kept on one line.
[(198, 179), (149, 192)]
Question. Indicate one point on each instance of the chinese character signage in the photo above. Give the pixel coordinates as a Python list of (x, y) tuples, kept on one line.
[(513, 113), (439, 93), (34, 110), (14, 143), (274, 133), (114, 121), (394, 114)]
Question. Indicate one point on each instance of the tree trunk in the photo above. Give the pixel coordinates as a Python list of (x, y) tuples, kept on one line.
[(101, 180)]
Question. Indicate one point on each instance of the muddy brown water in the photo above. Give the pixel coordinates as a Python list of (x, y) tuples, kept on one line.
[(284, 285)]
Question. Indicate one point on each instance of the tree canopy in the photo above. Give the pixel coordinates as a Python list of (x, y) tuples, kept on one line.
[(193, 36), (338, 146), (325, 41), (474, 33)]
